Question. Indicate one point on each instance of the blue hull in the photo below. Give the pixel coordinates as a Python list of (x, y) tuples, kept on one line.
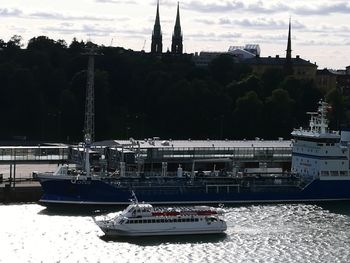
[(99, 192)]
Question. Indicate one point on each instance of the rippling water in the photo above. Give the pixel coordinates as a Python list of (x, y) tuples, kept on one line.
[(256, 233)]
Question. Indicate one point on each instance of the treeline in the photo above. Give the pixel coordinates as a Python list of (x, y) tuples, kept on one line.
[(138, 95)]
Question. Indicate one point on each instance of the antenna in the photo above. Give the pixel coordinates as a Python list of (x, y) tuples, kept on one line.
[(111, 42), (89, 121)]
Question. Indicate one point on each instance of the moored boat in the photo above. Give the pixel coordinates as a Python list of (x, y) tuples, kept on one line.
[(320, 171)]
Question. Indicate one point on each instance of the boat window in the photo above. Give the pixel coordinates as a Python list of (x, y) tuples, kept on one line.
[(175, 220), (196, 219), (153, 220), (162, 220), (158, 221), (149, 221)]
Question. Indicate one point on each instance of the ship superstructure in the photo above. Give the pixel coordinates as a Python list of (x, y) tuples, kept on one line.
[(318, 152)]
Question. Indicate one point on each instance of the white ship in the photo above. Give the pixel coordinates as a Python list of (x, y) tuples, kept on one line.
[(140, 219)]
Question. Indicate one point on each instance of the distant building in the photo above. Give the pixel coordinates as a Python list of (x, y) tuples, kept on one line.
[(250, 55), (238, 53), (298, 67), (250, 48), (328, 79)]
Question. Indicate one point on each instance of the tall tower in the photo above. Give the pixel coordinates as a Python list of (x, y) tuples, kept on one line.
[(89, 122), (176, 45), (288, 67), (289, 44), (157, 45)]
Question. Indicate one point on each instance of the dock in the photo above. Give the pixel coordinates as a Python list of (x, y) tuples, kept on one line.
[(25, 191)]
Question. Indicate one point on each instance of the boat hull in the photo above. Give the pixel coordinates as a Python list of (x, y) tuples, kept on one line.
[(100, 192)]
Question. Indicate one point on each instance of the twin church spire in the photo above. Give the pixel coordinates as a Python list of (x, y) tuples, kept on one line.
[(157, 44)]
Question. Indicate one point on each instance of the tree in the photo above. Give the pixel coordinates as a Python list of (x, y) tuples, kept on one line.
[(14, 42), (248, 116), (279, 111), (339, 105)]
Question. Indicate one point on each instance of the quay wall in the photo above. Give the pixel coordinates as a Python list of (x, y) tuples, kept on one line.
[(20, 193)]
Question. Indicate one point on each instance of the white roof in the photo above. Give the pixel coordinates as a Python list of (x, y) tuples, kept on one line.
[(159, 143)]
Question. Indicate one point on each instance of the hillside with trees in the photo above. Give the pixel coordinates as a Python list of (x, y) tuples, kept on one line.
[(139, 95)]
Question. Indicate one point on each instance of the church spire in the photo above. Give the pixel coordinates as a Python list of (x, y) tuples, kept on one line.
[(157, 45), (176, 45), (288, 67), (289, 45)]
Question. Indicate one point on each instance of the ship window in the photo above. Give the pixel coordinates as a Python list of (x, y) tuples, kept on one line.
[(149, 221), (162, 220), (196, 219), (326, 151), (153, 220), (158, 221), (325, 162), (187, 220)]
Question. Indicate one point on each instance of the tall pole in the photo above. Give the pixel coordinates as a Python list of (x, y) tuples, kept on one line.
[(89, 122)]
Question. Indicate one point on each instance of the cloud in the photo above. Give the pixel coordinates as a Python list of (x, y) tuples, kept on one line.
[(325, 9), (213, 36), (324, 43), (58, 16), (91, 30), (200, 6), (260, 7), (5, 12), (205, 21), (128, 2), (260, 23)]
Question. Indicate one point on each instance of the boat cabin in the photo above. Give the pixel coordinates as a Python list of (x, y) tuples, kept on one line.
[(138, 210)]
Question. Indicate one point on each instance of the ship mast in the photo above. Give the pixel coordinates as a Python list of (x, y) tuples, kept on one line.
[(89, 121)]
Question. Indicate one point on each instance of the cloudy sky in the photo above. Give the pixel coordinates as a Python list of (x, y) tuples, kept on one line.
[(320, 28)]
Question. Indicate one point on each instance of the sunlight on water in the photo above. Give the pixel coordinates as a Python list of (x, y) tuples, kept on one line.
[(256, 233)]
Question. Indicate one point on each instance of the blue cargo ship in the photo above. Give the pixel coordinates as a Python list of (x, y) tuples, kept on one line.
[(320, 171)]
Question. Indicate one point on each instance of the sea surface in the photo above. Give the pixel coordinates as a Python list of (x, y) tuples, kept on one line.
[(256, 233)]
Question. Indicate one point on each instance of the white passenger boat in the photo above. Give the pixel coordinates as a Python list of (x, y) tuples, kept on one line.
[(140, 219)]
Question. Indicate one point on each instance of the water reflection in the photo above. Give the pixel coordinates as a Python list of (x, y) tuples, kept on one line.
[(159, 240)]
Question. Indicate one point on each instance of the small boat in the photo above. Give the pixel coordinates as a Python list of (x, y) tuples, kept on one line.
[(140, 219)]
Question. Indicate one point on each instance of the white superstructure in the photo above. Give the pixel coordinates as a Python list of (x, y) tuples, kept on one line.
[(144, 220), (319, 153)]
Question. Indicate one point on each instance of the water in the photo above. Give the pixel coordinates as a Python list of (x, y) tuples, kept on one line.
[(256, 233)]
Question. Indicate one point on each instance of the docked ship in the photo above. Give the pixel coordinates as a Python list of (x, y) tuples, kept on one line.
[(141, 219), (319, 172)]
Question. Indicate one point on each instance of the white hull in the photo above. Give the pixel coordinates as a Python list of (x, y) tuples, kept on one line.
[(109, 232)]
